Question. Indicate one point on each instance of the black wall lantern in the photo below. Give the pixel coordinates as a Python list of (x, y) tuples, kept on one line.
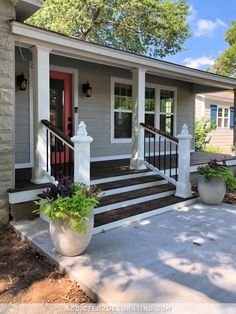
[(21, 81), (87, 90)]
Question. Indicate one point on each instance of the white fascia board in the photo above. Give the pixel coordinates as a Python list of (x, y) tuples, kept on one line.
[(65, 45)]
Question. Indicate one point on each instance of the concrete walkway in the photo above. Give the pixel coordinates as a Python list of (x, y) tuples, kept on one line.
[(187, 255)]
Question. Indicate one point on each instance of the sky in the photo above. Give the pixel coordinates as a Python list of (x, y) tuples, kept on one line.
[(209, 19)]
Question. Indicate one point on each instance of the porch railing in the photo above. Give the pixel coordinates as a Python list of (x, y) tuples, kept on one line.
[(169, 156), (59, 152), (161, 152), (67, 156)]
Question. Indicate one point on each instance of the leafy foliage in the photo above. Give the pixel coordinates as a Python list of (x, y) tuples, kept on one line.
[(213, 150), (202, 128), (218, 170), (226, 63), (154, 27), (70, 201)]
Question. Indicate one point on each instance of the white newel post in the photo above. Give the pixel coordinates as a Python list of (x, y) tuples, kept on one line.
[(82, 155), (41, 104), (183, 187), (138, 93)]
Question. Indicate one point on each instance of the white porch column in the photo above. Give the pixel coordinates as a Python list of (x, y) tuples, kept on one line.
[(137, 153), (183, 187), (82, 155), (41, 103)]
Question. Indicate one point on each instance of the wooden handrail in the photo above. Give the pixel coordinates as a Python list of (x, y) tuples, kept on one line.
[(59, 133), (157, 131)]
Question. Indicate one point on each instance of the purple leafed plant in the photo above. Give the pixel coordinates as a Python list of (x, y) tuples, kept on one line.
[(64, 188)]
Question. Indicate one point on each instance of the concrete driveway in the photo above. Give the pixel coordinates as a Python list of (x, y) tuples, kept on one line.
[(186, 255)]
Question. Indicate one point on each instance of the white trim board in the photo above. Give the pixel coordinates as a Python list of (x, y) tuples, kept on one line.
[(24, 196), (132, 187)]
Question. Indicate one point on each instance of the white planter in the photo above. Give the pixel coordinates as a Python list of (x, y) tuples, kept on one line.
[(211, 191), (67, 241)]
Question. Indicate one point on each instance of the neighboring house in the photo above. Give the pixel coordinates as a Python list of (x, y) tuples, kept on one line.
[(218, 108), (54, 74)]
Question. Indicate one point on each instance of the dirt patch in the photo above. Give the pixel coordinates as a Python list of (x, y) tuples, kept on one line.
[(27, 277), (230, 198)]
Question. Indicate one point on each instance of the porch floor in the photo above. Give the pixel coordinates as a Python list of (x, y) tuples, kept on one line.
[(112, 168), (186, 255)]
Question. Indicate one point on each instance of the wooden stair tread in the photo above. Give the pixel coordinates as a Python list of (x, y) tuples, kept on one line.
[(132, 181), (132, 210), (108, 200)]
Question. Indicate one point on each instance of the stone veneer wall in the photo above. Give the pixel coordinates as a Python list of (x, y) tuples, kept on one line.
[(7, 107)]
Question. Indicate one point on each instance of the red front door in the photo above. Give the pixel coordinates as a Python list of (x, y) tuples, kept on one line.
[(61, 111)]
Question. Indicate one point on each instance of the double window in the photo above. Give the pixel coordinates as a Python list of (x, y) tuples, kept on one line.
[(159, 109), (222, 116)]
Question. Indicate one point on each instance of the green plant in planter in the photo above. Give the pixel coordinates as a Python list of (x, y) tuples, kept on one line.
[(70, 201), (219, 170)]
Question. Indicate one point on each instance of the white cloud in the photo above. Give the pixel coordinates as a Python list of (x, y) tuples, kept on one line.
[(193, 14), (206, 27), (198, 62)]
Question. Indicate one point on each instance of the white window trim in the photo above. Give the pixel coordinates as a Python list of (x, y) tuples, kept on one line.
[(121, 81), (223, 107), (157, 88)]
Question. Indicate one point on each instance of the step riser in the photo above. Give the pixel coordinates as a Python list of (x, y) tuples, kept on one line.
[(135, 218), (124, 177), (133, 187), (24, 196), (134, 201)]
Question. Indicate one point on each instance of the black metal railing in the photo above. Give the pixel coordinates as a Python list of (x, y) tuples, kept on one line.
[(59, 152), (161, 152)]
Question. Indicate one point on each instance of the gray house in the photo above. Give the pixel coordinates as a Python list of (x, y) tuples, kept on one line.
[(50, 82)]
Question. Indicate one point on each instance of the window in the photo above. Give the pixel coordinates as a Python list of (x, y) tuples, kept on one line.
[(223, 117), (150, 106), (167, 102), (122, 110), (122, 105)]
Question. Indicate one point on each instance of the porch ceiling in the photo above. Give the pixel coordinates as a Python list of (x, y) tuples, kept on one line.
[(29, 36)]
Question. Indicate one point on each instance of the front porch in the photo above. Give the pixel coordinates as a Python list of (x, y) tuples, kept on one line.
[(102, 170), (126, 195)]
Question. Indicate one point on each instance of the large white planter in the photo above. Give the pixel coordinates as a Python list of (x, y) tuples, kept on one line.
[(67, 241), (211, 191)]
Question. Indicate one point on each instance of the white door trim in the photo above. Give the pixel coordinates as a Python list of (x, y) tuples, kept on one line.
[(75, 93)]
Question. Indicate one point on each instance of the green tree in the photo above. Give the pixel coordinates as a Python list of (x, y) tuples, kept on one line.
[(226, 63), (153, 27)]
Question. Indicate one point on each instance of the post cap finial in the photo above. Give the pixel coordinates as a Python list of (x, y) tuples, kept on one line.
[(82, 130), (184, 130)]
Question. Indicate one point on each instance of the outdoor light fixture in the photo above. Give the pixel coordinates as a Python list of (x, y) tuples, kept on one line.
[(87, 90), (21, 81)]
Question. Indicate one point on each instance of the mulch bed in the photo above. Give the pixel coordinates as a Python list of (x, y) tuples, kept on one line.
[(27, 277), (230, 198)]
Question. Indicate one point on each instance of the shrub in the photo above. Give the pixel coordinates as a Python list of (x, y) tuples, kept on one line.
[(213, 150), (202, 128)]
